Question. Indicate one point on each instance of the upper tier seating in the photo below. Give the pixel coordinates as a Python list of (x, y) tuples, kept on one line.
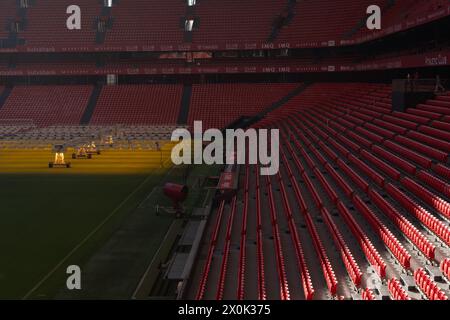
[(159, 25), (308, 23), (7, 13), (46, 24), (146, 23), (406, 10), (235, 21)]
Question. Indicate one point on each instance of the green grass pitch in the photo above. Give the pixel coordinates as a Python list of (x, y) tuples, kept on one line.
[(49, 216)]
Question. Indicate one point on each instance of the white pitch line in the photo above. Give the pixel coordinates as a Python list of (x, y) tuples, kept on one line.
[(84, 240), (141, 281)]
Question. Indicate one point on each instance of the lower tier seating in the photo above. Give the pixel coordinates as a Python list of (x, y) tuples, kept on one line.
[(138, 104), (46, 105), (218, 105), (362, 193)]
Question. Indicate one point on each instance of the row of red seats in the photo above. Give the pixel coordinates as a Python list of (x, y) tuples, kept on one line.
[(327, 268), (442, 125), (396, 290), (205, 274), (441, 170), (380, 164), (370, 251), (350, 144), (436, 143), (400, 253), (308, 288), (443, 135), (259, 243), (281, 268), (411, 118), (434, 182), (399, 125), (389, 126), (300, 200), (424, 149), (328, 188), (408, 154), (347, 257), (427, 219), (348, 190), (433, 200), (375, 176), (242, 253), (226, 252), (445, 268), (439, 106), (359, 138), (428, 287), (349, 261), (381, 132), (410, 231), (422, 113)]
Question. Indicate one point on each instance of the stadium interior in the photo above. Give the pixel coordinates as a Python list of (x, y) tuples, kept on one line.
[(359, 210)]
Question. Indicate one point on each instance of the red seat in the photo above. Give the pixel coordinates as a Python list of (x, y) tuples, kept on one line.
[(445, 268), (367, 294), (396, 290), (428, 286), (441, 170), (383, 166), (375, 176)]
